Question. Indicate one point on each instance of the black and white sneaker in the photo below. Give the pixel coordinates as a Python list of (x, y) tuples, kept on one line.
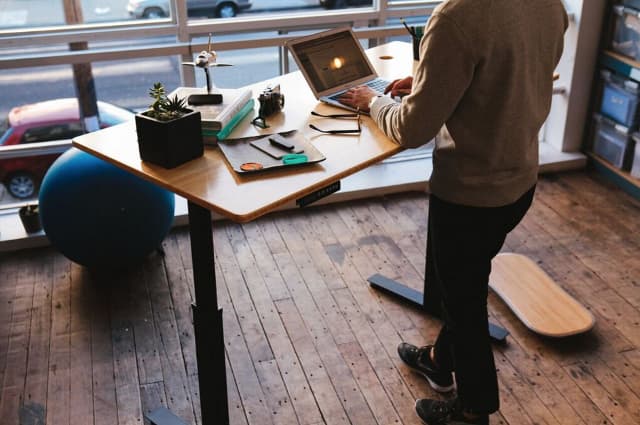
[(419, 360), (438, 412)]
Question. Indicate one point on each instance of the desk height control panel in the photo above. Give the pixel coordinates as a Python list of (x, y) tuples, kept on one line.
[(318, 194)]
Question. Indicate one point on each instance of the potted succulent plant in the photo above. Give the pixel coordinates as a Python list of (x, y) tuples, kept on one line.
[(169, 134), (30, 217)]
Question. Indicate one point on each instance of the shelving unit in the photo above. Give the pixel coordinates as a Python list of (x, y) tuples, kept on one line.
[(620, 64), (628, 68), (623, 179)]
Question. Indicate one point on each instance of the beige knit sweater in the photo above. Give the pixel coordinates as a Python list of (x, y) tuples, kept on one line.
[(483, 83)]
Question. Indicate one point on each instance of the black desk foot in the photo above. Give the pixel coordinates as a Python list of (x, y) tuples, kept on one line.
[(163, 416), (497, 333)]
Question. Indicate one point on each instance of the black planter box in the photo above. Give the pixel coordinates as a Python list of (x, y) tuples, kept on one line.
[(30, 220), (169, 143)]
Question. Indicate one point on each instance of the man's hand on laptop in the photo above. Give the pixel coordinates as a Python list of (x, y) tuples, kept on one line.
[(358, 97), (400, 87)]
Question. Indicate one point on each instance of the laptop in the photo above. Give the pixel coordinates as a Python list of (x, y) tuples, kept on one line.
[(332, 62)]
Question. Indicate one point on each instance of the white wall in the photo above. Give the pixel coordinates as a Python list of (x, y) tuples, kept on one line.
[(565, 126)]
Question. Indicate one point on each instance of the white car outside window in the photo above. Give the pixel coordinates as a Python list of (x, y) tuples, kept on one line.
[(155, 9)]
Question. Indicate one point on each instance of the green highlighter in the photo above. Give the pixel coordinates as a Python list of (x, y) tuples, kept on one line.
[(294, 158)]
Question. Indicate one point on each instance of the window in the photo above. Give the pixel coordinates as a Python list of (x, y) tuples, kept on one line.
[(129, 53), (155, 9), (4, 128), (52, 132)]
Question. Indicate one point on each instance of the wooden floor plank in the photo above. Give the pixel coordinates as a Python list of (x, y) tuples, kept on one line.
[(35, 401), (264, 240), (235, 346), (583, 374), (166, 332), (241, 298), (9, 272), (522, 389), (369, 361), (543, 387), (142, 320), (385, 241), (12, 395), (365, 262), (307, 340), (102, 361), (320, 383), (366, 302), (277, 373), (375, 306), (243, 333), (127, 383), (569, 405), (81, 371), (180, 281), (324, 320), (343, 259), (403, 232), (59, 379), (315, 304)]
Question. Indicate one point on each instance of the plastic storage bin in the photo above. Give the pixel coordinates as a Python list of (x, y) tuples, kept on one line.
[(632, 3), (613, 142), (626, 32), (635, 165), (620, 99)]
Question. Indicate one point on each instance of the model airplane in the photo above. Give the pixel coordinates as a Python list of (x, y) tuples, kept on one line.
[(205, 60)]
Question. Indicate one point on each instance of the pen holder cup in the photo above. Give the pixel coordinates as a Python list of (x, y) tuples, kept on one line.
[(416, 48)]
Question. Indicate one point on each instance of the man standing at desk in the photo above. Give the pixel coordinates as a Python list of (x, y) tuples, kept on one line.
[(484, 83)]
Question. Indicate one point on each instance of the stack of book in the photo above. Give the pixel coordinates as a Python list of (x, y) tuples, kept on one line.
[(219, 120)]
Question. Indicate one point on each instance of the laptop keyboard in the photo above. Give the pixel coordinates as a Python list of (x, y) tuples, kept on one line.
[(377, 85)]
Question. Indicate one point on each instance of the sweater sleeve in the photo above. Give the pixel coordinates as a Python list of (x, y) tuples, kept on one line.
[(443, 74)]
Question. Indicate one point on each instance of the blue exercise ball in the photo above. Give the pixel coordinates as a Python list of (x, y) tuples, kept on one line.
[(98, 215)]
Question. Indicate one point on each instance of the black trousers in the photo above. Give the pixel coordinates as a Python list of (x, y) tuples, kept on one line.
[(461, 242)]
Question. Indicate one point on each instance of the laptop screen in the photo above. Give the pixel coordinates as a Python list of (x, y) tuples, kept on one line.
[(332, 60)]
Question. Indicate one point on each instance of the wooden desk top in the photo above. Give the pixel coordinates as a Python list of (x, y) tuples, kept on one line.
[(210, 182)]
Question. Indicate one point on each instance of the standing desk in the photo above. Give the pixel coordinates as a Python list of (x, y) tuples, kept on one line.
[(210, 185)]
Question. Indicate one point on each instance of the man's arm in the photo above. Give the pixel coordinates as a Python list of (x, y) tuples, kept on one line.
[(443, 75)]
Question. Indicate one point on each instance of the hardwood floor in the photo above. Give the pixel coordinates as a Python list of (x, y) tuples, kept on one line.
[(307, 340)]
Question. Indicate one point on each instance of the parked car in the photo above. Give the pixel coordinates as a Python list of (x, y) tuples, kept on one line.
[(50, 120), (341, 4), (160, 8)]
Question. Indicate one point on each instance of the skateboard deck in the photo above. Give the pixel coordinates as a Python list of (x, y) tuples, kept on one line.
[(536, 299)]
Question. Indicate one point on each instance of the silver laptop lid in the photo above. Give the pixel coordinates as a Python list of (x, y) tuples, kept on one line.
[(331, 61)]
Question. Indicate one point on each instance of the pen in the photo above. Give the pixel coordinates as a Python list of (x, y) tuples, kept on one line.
[(410, 29)]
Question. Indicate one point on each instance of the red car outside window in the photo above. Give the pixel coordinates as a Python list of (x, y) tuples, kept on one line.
[(57, 119)]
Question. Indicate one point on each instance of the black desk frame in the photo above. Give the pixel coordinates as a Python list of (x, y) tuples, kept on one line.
[(416, 298), (208, 330)]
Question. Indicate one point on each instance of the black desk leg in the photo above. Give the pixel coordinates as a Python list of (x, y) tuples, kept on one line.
[(497, 333), (207, 323)]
